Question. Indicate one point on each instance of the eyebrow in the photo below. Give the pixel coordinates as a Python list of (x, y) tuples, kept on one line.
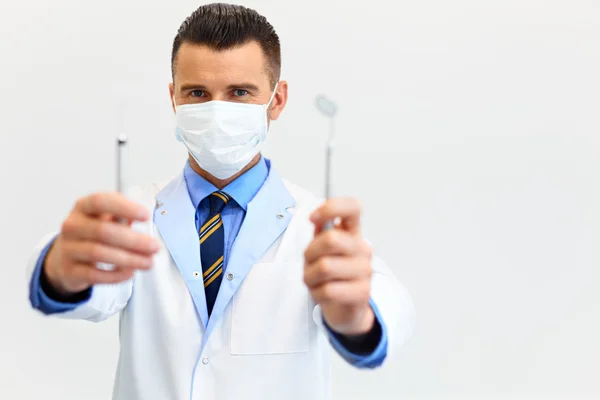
[(247, 85)]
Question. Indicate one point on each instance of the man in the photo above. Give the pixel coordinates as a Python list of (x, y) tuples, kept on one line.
[(229, 288)]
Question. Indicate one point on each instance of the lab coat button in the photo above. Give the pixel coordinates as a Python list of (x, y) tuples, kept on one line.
[(279, 216), (230, 276), (205, 361)]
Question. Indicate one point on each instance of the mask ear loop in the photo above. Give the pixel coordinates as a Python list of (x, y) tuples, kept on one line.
[(269, 104), (272, 96)]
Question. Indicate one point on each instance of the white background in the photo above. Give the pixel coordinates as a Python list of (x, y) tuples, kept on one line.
[(469, 129)]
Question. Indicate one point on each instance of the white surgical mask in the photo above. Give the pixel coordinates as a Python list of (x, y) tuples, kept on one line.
[(222, 136)]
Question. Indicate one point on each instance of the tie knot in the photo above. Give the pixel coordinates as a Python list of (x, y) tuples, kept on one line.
[(218, 200)]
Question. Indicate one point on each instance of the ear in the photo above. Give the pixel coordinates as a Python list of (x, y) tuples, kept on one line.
[(279, 100), (172, 95)]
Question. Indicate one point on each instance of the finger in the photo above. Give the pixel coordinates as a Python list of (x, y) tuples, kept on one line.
[(81, 228), (112, 203), (335, 242), (111, 218), (105, 217), (346, 208), (333, 268), (342, 292), (336, 225), (94, 252), (92, 275)]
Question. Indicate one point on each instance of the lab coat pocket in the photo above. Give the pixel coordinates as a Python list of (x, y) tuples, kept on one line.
[(270, 311)]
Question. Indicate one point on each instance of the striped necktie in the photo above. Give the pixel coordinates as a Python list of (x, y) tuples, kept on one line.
[(212, 244)]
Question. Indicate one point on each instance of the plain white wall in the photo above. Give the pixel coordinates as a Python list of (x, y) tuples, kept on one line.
[(468, 128)]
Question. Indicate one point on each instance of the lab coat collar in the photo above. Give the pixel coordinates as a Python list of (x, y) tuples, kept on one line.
[(174, 217)]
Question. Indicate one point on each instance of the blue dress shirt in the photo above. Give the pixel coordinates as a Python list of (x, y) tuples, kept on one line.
[(369, 352)]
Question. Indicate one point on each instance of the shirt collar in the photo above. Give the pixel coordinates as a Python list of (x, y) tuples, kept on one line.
[(242, 190)]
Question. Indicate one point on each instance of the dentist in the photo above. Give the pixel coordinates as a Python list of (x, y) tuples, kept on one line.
[(226, 286)]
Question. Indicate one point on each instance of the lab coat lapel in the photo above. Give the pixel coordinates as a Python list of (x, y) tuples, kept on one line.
[(267, 217), (175, 218)]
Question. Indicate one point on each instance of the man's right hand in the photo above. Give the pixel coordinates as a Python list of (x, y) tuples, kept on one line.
[(93, 233)]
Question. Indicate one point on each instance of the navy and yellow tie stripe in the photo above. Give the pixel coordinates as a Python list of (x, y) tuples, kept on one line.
[(212, 247)]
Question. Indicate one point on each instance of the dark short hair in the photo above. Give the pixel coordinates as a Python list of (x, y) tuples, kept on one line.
[(225, 26)]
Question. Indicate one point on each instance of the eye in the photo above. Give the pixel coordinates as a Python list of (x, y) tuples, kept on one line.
[(240, 92), (197, 93)]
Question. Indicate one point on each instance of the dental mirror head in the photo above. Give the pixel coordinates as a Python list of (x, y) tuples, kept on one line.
[(326, 106)]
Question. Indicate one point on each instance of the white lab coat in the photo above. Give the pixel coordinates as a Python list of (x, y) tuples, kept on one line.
[(269, 344)]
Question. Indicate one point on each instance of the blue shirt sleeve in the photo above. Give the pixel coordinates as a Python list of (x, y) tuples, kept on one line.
[(45, 302), (361, 359)]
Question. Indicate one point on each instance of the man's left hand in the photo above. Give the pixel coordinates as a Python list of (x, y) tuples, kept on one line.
[(338, 270)]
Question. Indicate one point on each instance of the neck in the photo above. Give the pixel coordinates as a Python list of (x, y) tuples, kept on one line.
[(221, 183)]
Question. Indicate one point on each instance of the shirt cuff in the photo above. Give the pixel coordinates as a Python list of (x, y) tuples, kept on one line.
[(370, 352), (44, 298)]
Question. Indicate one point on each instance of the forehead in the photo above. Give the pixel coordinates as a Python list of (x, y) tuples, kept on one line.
[(205, 65)]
